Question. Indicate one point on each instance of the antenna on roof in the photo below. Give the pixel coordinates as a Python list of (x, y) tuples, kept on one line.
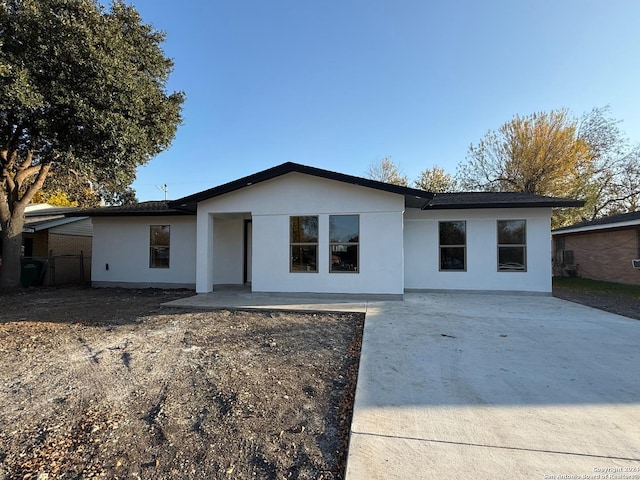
[(164, 188)]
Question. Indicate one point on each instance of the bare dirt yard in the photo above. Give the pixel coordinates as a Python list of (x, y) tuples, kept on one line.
[(106, 383)]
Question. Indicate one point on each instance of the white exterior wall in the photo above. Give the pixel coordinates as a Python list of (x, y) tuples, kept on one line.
[(422, 251), (380, 263), (123, 244), (270, 205)]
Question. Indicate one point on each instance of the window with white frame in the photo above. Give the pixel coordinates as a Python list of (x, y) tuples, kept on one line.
[(303, 239), (344, 243), (453, 245), (512, 245), (159, 246)]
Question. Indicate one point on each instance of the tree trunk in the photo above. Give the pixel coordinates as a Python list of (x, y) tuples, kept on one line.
[(12, 252)]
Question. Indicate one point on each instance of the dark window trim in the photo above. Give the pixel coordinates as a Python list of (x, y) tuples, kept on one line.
[(511, 245), (152, 246), (440, 247), (303, 244), (348, 244)]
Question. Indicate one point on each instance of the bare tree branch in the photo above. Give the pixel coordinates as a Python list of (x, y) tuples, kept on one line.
[(557, 154), (35, 185)]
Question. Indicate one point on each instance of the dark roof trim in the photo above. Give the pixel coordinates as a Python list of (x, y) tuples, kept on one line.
[(414, 198), (476, 200), (143, 209)]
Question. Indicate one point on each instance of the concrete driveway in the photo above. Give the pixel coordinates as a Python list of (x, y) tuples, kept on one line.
[(496, 386)]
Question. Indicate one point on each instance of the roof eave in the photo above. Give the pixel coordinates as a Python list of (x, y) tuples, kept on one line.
[(142, 209), (189, 202), (141, 214), (530, 204), (600, 226)]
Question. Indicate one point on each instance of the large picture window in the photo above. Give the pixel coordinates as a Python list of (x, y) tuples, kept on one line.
[(304, 243), (453, 245), (512, 246), (344, 240), (160, 242)]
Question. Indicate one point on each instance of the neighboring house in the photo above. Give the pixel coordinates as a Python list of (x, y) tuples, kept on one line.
[(602, 249), (294, 228), (57, 241)]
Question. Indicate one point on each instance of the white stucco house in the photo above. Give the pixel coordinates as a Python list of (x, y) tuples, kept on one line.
[(295, 228)]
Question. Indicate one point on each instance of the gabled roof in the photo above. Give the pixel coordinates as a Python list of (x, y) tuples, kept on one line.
[(447, 201), (135, 210), (414, 198), (631, 219)]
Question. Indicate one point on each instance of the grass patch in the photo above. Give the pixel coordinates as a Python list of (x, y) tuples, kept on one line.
[(585, 284)]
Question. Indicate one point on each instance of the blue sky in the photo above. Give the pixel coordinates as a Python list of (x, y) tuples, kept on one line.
[(339, 84)]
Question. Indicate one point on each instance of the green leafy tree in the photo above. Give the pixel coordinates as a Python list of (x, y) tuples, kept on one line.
[(57, 199), (387, 171), (82, 191), (436, 180), (82, 89)]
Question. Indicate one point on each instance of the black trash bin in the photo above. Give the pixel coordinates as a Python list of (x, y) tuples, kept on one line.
[(31, 272)]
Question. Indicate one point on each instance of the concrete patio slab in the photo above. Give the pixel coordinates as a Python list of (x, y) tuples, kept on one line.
[(269, 301)]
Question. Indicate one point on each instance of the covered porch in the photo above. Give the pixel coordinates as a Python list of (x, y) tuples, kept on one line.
[(223, 251)]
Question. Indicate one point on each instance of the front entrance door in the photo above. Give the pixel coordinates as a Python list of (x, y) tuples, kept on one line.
[(247, 251)]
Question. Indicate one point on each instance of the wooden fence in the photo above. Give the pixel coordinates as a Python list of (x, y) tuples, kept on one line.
[(56, 270)]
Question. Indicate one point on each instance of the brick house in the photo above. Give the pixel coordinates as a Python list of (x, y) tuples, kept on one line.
[(601, 249)]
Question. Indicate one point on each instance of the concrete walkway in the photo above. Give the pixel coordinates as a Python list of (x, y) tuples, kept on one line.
[(241, 299), (487, 386)]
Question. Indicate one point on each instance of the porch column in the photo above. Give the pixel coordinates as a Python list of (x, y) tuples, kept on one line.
[(204, 253)]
